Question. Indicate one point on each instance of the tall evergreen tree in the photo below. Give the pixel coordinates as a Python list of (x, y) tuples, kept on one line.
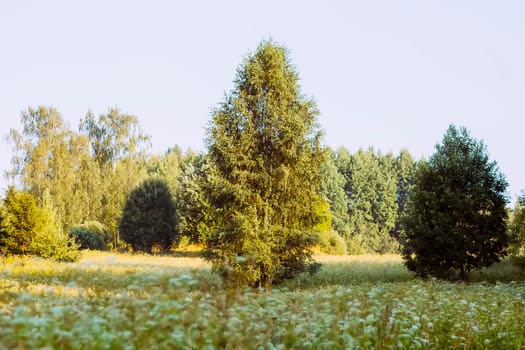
[(264, 143), (457, 210)]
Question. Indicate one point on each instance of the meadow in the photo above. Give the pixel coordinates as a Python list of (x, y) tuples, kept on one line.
[(121, 301)]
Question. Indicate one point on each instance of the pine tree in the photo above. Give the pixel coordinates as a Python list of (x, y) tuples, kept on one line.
[(264, 145)]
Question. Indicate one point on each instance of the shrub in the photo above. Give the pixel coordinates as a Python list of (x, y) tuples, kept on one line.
[(91, 235), (26, 228), (330, 242)]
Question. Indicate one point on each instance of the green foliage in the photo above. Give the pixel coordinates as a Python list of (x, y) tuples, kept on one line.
[(330, 242), (517, 228), (371, 189), (333, 191), (457, 211), (405, 168), (117, 146), (194, 214), (166, 166), (148, 221), (91, 235), (21, 219), (356, 245), (85, 174), (26, 228), (265, 150), (113, 136), (50, 159)]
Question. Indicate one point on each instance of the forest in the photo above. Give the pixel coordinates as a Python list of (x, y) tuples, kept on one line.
[(264, 207)]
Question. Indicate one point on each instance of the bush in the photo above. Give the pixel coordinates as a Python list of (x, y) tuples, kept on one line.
[(330, 242), (26, 228), (91, 235), (355, 245), (148, 219)]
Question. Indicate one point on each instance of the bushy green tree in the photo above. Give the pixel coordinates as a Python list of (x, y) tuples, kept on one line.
[(26, 228), (457, 210), (264, 145), (91, 235), (21, 219), (148, 218)]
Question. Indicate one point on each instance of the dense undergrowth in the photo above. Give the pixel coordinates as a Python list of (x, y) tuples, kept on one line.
[(117, 301)]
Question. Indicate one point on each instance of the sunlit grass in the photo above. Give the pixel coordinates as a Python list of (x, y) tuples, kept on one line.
[(125, 301)]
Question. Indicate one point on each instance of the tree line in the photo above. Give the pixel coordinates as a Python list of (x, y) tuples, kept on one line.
[(263, 194)]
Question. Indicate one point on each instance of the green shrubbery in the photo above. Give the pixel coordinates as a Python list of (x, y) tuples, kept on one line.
[(330, 242), (91, 235), (26, 228)]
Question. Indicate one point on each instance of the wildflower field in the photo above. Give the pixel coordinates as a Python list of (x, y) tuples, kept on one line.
[(118, 301)]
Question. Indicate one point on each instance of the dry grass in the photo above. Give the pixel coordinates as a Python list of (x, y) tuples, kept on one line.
[(142, 260)]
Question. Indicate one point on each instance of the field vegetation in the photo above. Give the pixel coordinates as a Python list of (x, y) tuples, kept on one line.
[(109, 300), (260, 203)]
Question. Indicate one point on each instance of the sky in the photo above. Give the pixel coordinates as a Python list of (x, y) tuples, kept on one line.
[(388, 74)]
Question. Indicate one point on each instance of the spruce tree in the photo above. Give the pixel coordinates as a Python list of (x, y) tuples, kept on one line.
[(456, 210), (264, 144), (148, 218)]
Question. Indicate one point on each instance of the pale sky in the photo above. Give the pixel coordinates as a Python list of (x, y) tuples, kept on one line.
[(388, 74)]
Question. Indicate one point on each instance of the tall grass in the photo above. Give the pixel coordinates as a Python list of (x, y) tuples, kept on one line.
[(118, 301)]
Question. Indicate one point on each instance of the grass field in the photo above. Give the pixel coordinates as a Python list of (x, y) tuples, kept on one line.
[(118, 301)]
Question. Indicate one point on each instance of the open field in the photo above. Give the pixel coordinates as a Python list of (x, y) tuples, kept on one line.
[(118, 301)]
